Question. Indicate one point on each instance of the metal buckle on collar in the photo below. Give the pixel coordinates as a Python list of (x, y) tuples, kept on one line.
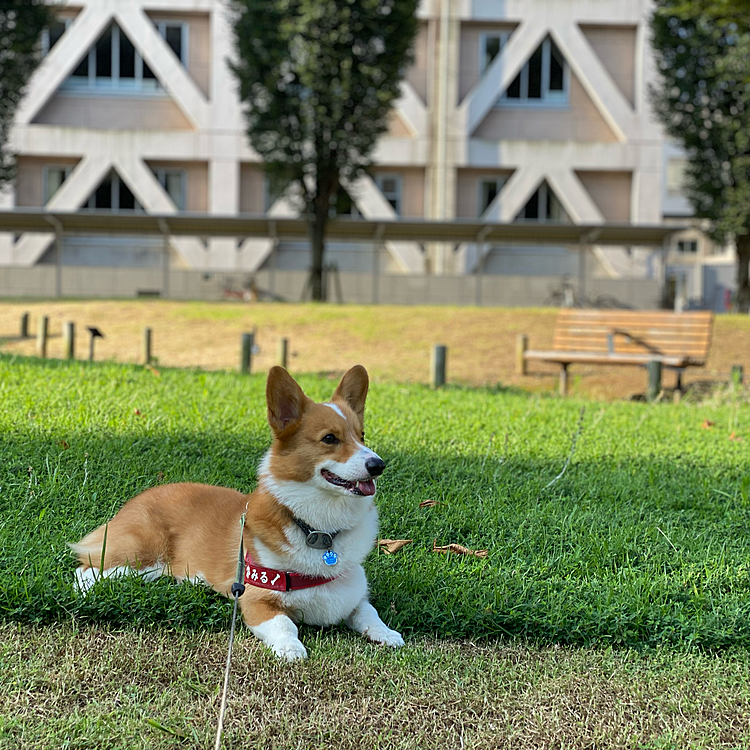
[(315, 538)]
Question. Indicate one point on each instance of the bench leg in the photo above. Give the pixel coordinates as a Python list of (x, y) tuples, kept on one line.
[(564, 379), (678, 386), (654, 380)]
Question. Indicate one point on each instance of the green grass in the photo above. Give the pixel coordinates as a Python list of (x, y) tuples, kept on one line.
[(642, 543)]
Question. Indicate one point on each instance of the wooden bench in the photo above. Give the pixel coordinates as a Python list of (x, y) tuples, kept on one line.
[(625, 337)]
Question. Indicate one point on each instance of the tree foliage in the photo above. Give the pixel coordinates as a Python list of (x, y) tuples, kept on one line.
[(21, 24), (319, 78), (703, 100)]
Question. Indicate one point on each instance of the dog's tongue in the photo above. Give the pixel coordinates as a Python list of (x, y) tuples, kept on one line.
[(367, 488)]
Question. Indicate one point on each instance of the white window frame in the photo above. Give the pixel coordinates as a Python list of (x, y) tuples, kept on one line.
[(161, 175), (543, 189), (66, 168), (113, 85), (549, 99), (45, 40), (380, 178), (161, 27), (483, 37), (115, 202), (681, 244), (499, 185)]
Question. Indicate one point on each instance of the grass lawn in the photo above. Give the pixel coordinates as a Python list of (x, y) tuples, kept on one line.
[(613, 609)]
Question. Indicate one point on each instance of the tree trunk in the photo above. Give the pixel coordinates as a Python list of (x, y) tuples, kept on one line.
[(318, 244), (743, 266), (326, 185)]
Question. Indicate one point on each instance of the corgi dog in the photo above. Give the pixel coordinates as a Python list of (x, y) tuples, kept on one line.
[(309, 524)]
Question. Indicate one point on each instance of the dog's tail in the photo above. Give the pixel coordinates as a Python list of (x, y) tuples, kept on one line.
[(92, 548)]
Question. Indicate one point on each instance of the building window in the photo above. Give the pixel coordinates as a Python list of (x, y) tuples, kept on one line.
[(53, 177), (544, 206), (544, 79), (345, 206), (390, 187), (51, 36), (174, 181), (114, 64), (490, 46), (488, 191), (676, 173), (113, 194), (687, 246), (175, 34)]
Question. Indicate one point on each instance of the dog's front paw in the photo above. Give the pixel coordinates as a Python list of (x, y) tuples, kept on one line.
[(385, 635), (290, 650)]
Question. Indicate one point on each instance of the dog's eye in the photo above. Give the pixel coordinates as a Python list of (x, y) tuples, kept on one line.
[(330, 439)]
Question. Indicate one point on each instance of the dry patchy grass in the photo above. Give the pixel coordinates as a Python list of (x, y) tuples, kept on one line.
[(93, 687), (394, 343)]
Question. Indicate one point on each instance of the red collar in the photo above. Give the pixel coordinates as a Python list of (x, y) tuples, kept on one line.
[(278, 580)]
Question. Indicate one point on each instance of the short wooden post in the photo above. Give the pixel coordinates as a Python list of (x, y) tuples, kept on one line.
[(147, 354), (437, 365), (25, 326), (69, 339), (94, 333), (41, 336), (654, 379), (738, 376), (563, 386), (282, 353), (248, 339), (522, 344)]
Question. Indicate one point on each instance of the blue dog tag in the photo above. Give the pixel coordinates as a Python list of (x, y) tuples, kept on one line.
[(330, 557)]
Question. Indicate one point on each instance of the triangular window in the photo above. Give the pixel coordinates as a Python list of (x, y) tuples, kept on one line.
[(544, 206), (113, 195), (544, 79), (113, 64)]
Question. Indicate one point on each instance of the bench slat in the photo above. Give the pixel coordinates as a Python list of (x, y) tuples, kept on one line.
[(627, 337)]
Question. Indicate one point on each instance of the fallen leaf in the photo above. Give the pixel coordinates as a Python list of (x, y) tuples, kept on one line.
[(458, 549), (707, 424), (152, 370), (137, 412), (389, 546), (429, 503), (160, 476), (736, 438), (64, 444)]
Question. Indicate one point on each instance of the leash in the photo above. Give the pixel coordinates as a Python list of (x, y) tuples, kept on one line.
[(238, 589)]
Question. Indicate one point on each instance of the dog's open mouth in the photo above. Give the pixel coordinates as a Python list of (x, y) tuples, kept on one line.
[(366, 487)]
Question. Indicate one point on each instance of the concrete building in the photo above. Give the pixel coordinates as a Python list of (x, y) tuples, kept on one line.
[(514, 110)]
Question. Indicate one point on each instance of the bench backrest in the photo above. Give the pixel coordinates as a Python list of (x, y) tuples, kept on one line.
[(634, 332)]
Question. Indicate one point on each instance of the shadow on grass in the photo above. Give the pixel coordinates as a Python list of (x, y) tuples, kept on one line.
[(637, 553)]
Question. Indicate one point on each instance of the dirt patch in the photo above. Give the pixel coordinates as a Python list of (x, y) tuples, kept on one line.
[(394, 343)]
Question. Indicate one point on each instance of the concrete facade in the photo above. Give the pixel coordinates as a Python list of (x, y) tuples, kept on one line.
[(531, 110)]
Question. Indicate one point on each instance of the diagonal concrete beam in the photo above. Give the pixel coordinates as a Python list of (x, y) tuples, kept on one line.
[(372, 205), (412, 110), (63, 59), (254, 250), (574, 197), (82, 181), (596, 80), (504, 68), (165, 65), (152, 196)]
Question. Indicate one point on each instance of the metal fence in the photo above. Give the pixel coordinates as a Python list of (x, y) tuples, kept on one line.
[(47, 280)]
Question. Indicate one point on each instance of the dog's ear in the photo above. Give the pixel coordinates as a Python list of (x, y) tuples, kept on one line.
[(352, 390), (286, 400)]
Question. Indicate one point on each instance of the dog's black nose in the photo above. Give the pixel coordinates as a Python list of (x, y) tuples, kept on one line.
[(375, 466)]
